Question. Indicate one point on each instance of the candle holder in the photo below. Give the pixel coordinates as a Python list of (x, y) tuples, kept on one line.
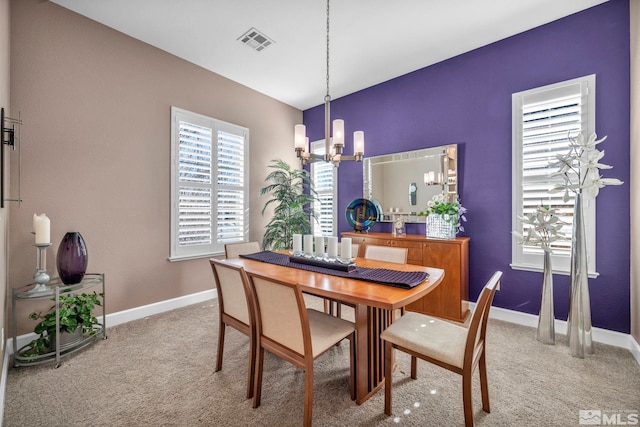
[(41, 277)]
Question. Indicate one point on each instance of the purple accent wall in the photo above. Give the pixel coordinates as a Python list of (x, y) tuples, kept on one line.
[(467, 100)]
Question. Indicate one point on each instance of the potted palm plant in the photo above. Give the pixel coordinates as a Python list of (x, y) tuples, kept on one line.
[(292, 197)]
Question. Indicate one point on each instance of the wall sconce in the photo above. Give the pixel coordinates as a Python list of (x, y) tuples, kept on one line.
[(8, 137)]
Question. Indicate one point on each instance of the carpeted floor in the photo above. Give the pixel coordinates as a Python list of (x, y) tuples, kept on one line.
[(159, 371)]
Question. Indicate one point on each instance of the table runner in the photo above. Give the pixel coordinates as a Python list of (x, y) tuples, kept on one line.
[(384, 276)]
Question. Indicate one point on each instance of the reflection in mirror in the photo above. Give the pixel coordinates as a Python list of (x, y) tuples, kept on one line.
[(402, 183)]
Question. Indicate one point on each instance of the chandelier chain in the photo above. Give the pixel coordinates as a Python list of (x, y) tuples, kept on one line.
[(328, 97)]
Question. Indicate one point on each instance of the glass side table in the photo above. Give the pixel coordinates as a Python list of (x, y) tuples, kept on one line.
[(52, 291)]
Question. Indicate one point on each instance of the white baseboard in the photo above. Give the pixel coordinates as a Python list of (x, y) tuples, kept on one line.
[(604, 336), (136, 313), (634, 347)]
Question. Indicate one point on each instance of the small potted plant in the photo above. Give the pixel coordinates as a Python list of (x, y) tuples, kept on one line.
[(444, 217), (75, 318)]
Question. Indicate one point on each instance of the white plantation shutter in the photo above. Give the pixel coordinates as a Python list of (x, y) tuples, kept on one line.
[(324, 175), (231, 187), (542, 120), (209, 185)]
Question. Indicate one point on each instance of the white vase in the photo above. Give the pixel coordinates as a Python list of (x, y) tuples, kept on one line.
[(546, 319), (579, 320)]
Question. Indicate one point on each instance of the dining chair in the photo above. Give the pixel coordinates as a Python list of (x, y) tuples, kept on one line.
[(386, 253), (389, 254), (286, 328), (236, 309), (454, 347), (234, 250)]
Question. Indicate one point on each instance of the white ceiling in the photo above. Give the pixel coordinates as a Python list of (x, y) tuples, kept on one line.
[(372, 41)]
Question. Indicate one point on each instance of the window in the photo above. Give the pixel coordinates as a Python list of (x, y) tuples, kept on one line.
[(324, 175), (542, 120), (209, 185)]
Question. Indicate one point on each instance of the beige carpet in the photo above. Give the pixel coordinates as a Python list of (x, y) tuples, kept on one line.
[(159, 371)]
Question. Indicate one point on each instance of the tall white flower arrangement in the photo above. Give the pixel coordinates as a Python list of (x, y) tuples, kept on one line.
[(544, 227), (580, 168)]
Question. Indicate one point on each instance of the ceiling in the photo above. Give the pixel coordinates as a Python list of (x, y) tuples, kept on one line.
[(372, 41)]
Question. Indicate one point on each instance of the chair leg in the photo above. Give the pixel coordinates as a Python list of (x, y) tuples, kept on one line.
[(484, 386), (220, 346), (308, 395), (252, 366), (466, 399), (414, 367), (257, 389), (388, 362)]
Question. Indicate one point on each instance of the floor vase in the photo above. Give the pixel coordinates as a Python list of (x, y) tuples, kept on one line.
[(546, 319), (579, 320)]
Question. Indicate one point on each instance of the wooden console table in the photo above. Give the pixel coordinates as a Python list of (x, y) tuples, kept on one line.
[(451, 299)]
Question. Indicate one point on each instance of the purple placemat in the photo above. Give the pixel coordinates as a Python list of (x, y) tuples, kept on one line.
[(384, 276)]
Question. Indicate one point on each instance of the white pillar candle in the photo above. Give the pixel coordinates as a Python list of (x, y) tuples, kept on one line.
[(42, 228), (297, 244), (345, 249), (332, 247), (319, 246), (308, 244)]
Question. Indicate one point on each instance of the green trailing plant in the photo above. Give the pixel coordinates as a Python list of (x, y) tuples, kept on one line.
[(75, 311), (292, 197)]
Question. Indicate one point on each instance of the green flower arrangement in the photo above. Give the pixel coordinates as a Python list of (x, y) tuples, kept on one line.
[(440, 204)]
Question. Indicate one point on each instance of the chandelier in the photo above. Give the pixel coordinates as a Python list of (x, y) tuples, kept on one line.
[(331, 154)]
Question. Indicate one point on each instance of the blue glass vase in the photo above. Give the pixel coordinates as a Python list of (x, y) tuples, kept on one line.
[(72, 258)]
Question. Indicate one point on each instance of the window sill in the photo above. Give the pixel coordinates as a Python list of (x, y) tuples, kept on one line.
[(191, 257), (523, 267)]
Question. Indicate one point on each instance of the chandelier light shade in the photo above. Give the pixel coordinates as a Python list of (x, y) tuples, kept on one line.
[(332, 146)]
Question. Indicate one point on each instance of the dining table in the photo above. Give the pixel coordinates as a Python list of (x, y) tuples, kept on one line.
[(374, 305)]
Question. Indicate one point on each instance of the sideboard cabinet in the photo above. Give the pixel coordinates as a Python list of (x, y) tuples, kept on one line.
[(450, 300)]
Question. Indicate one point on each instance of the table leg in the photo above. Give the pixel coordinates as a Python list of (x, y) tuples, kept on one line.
[(370, 322)]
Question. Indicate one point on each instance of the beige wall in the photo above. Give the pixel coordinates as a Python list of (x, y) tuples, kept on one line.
[(4, 213), (96, 149), (635, 167)]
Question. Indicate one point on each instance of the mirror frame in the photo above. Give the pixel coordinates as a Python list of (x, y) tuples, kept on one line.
[(444, 176)]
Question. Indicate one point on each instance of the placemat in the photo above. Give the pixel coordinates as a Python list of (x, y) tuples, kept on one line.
[(384, 276)]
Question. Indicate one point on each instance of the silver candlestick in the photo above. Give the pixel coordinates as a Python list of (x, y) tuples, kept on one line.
[(41, 277)]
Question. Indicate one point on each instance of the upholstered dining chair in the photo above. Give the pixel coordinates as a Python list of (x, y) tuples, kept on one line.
[(386, 253), (299, 335), (234, 250), (236, 309), (454, 347)]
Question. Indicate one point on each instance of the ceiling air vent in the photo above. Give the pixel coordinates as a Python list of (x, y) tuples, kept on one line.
[(255, 40)]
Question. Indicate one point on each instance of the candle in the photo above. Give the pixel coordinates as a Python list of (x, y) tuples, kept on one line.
[(345, 249), (332, 247), (319, 246), (42, 228), (297, 244), (308, 244)]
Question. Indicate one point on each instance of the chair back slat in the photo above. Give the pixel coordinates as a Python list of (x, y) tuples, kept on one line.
[(478, 323), (234, 250), (281, 312)]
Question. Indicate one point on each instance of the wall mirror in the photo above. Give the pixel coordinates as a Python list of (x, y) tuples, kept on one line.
[(401, 184)]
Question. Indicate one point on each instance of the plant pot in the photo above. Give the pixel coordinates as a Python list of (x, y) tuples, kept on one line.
[(441, 226), (67, 339)]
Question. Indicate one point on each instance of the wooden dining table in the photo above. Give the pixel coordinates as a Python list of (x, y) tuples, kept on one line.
[(374, 306)]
